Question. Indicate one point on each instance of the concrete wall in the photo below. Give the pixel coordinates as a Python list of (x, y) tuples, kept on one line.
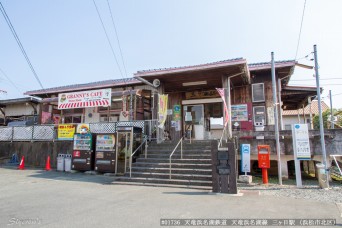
[(36, 152), (20, 109)]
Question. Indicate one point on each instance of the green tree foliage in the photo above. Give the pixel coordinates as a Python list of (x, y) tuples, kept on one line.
[(325, 116)]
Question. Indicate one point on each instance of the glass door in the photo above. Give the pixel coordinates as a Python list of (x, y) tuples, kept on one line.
[(194, 120), (124, 151)]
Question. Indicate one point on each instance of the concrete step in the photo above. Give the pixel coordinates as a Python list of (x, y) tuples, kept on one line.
[(174, 160), (206, 188), (174, 170), (174, 176), (174, 165), (167, 151), (165, 181)]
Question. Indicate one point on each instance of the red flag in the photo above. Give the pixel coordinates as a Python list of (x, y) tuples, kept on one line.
[(221, 92)]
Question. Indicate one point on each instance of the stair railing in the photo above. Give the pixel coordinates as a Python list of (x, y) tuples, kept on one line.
[(221, 139), (136, 150), (179, 142)]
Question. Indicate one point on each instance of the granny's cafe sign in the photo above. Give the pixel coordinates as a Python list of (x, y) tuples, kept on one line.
[(83, 99)]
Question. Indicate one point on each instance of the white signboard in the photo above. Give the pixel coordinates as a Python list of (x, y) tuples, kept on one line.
[(245, 158), (301, 143), (83, 99)]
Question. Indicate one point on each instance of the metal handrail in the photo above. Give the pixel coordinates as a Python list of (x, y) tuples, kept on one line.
[(181, 142), (136, 150), (220, 142)]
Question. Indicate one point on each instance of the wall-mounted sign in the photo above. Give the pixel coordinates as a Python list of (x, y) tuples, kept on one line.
[(239, 112), (66, 131), (90, 98), (176, 112), (82, 128), (301, 143), (199, 94)]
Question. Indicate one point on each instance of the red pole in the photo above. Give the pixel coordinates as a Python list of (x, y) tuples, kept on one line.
[(264, 176)]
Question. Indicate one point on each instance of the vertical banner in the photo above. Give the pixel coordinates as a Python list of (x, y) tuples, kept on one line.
[(162, 109), (245, 158), (226, 118), (301, 143)]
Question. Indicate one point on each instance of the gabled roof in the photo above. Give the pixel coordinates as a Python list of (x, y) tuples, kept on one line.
[(205, 66), (314, 109), (85, 86)]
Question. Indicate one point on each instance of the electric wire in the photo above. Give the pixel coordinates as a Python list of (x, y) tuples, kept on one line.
[(117, 38), (110, 44), (8, 21), (300, 30), (12, 83)]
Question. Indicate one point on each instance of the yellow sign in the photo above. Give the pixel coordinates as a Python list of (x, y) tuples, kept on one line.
[(66, 131)]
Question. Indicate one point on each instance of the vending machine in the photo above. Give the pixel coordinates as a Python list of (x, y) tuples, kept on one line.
[(105, 154), (83, 155)]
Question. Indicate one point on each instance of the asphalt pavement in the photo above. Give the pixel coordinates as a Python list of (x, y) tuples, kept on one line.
[(36, 198)]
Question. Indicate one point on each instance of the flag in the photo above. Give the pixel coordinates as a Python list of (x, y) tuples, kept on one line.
[(162, 112), (225, 110)]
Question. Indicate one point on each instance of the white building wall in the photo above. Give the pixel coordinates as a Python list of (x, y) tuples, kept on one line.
[(289, 120), (20, 109)]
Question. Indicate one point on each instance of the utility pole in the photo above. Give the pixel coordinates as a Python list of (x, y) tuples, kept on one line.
[(321, 127), (276, 124), (331, 112)]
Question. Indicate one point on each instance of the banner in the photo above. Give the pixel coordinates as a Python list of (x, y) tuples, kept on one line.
[(225, 110), (66, 131), (84, 99), (162, 109)]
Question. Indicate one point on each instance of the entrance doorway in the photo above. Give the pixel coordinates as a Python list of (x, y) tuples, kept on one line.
[(124, 150), (194, 121)]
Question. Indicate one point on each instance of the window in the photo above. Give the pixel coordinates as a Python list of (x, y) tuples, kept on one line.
[(258, 93)]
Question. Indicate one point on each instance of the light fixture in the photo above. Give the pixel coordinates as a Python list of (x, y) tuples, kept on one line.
[(194, 83), (117, 99)]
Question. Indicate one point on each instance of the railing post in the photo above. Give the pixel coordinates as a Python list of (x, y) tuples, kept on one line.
[(130, 166), (146, 149), (182, 148), (170, 167)]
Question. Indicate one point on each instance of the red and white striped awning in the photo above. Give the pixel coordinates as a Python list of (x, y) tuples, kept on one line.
[(85, 104)]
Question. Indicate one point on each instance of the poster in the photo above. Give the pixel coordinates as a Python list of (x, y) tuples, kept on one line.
[(270, 116), (66, 131), (83, 99), (301, 143), (82, 128), (176, 112), (239, 112), (162, 109), (46, 117)]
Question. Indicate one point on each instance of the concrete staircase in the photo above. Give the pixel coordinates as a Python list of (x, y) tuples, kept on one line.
[(193, 171)]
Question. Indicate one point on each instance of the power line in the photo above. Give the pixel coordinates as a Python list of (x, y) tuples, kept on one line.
[(117, 38), (303, 80), (300, 30), (12, 83), (110, 44), (8, 21)]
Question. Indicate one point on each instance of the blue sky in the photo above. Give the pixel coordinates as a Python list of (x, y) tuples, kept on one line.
[(67, 45)]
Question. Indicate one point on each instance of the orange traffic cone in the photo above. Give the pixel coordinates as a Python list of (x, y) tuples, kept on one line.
[(22, 163), (47, 166)]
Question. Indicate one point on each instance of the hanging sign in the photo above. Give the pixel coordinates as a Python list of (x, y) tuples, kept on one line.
[(84, 99), (301, 143), (66, 131)]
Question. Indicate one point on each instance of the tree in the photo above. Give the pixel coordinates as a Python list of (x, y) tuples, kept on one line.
[(326, 123)]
